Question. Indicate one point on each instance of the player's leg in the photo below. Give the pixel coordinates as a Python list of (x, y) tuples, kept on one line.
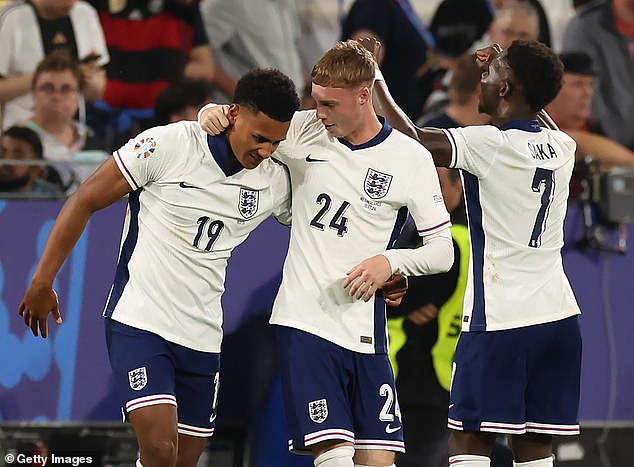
[(197, 385), (315, 376), (155, 429), (189, 450), (376, 413), (552, 392), (532, 450), (143, 373)]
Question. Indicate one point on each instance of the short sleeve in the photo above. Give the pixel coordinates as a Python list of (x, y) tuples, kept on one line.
[(424, 199), (147, 158), (474, 148)]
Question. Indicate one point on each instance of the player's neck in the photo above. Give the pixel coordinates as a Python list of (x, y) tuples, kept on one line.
[(367, 128), (511, 112)]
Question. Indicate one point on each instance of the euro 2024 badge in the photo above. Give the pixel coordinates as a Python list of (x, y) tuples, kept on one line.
[(377, 184), (144, 148), (248, 203), (318, 410), (137, 378)]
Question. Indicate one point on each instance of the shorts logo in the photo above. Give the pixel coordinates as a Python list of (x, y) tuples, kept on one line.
[(144, 148), (138, 378), (318, 410), (377, 184), (248, 204)]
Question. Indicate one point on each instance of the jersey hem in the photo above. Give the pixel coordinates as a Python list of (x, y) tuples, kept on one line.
[(370, 350), (522, 324), (168, 337)]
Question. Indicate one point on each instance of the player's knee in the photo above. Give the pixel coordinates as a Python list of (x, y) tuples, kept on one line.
[(470, 460), (159, 452), (340, 456)]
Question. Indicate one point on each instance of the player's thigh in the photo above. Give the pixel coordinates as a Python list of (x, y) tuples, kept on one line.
[(374, 457), (489, 382), (142, 367), (375, 408), (316, 375), (552, 392), (196, 388)]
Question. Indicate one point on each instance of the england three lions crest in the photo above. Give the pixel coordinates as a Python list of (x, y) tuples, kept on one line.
[(248, 203), (138, 378), (377, 184), (318, 410)]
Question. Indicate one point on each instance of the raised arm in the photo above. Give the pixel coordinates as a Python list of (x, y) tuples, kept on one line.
[(100, 190)]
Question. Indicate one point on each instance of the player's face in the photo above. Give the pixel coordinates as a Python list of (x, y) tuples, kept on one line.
[(253, 137), (15, 149), (491, 82), (339, 109)]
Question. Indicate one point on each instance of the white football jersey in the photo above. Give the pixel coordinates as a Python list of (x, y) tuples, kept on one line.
[(516, 190), (185, 216), (349, 203)]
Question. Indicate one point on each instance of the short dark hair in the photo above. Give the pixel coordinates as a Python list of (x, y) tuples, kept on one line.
[(57, 61), (537, 69), (27, 135), (268, 91), (180, 95)]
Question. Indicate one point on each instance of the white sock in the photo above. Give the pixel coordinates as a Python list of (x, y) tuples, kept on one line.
[(469, 460), (547, 462), (138, 463), (338, 457)]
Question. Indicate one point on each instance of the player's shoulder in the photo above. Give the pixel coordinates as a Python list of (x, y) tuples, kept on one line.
[(180, 136)]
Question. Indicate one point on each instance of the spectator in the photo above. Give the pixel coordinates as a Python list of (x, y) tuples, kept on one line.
[(571, 112), (463, 93), (405, 53), (56, 95), (181, 101), (152, 44), (544, 28), (517, 20), (31, 30), (21, 143), (457, 24), (605, 31), (245, 34)]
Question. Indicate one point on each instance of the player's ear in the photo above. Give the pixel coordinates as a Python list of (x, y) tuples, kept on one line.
[(234, 110), (506, 88)]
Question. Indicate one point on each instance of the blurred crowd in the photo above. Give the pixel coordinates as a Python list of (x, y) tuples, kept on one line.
[(83, 76)]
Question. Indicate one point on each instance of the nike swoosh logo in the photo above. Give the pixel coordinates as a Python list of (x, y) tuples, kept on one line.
[(185, 185), (212, 418), (310, 159), (389, 429)]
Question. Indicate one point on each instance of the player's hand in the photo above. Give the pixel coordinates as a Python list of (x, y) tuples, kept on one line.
[(372, 44), (39, 300), (424, 314), (394, 289), (486, 55), (367, 276), (214, 120)]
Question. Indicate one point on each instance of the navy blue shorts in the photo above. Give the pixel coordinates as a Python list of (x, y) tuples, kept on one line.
[(331, 393), (518, 380), (149, 370)]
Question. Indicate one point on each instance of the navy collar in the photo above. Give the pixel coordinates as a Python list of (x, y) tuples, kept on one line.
[(526, 125), (386, 129), (219, 148)]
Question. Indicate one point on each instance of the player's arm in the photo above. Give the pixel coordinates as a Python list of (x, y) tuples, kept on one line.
[(100, 190)]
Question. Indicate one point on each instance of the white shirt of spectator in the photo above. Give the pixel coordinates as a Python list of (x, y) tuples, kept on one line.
[(22, 50)]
